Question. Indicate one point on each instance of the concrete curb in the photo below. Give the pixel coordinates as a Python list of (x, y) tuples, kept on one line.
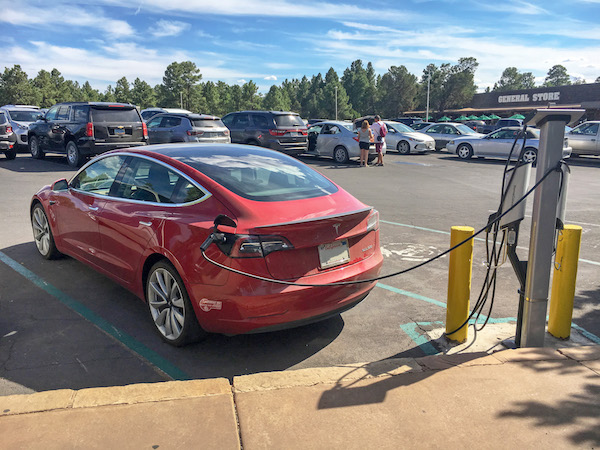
[(588, 356)]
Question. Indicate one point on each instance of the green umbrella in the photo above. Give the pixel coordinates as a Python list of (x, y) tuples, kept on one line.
[(517, 116), (462, 118), (473, 117), (494, 117), (484, 117), (444, 119)]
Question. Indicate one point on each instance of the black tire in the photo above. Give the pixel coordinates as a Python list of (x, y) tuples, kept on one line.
[(371, 158), (10, 154), (74, 156), (403, 148), (530, 156), (464, 151), (169, 305), (340, 155), (42, 233), (34, 148)]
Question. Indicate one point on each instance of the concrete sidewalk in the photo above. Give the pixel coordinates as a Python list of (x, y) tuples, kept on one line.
[(525, 398)]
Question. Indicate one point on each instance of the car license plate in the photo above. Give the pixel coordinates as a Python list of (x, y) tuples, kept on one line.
[(119, 131), (294, 134), (334, 254)]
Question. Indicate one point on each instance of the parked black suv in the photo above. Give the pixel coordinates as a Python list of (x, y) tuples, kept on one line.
[(7, 137), (280, 130), (82, 129)]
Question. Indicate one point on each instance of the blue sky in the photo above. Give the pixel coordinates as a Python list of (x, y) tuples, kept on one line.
[(269, 41)]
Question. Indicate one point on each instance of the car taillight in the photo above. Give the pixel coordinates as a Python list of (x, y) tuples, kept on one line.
[(226, 132), (9, 129), (355, 138), (373, 221), (304, 132), (145, 130), (277, 132), (253, 246), (194, 133), (89, 129)]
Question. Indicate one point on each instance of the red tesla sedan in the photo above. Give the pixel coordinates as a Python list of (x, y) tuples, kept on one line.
[(141, 215)]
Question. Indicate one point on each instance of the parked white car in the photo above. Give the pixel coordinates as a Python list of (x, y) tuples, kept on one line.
[(338, 140), (406, 140), (498, 144), (445, 132), (585, 138)]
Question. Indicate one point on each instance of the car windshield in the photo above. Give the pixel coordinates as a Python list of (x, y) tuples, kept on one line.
[(24, 116), (115, 115), (288, 120), (207, 123), (401, 128), (261, 175), (348, 126), (465, 129)]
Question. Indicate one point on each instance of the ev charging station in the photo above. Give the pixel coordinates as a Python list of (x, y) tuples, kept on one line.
[(548, 214)]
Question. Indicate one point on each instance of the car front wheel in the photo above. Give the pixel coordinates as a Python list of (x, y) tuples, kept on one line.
[(530, 156), (464, 151), (340, 155), (403, 147), (170, 306), (74, 156)]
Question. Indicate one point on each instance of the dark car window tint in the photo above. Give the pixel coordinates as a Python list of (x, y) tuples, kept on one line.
[(147, 181), (207, 123), (52, 112), (63, 113), (288, 120), (170, 122), (260, 121), (2, 118), (155, 122), (98, 177), (241, 121), (261, 175), (227, 120), (80, 113), (187, 192), (115, 115)]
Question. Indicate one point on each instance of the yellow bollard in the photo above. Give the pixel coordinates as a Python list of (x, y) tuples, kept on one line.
[(563, 282), (459, 283)]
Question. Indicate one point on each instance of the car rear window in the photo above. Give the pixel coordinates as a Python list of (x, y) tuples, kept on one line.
[(24, 116), (2, 118), (115, 115), (261, 175), (207, 123), (288, 120)]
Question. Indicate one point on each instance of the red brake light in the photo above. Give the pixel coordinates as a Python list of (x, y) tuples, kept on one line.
[(145, 130), (89, 129), (355, 138), (9, 129), (194, 133), (277, 132), (304, 132)]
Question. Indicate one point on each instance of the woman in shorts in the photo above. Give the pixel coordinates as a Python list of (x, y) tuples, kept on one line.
[(365, 137)]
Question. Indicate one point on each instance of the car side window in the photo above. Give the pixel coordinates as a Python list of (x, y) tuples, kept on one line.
[(63, 113), (315, 129), (170, 122), (589, 129), (241, 121), (52, 112), (260, 121), (98, 177), (147, 181), (435, 129), (154, 122), (80, 114), (227, 120)]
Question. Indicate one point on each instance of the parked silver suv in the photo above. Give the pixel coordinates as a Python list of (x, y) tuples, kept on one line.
[(167, 128), (20, 117)]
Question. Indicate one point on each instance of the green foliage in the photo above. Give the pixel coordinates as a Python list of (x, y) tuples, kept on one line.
[(397, 92), (15, 87), (512, 80), (557, 76), (142, 94), (122, 91)]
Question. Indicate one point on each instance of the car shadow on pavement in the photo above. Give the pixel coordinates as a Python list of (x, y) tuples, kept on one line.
[(46, 344), (25, 163)]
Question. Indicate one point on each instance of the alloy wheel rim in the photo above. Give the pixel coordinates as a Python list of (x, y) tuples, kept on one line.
[(463, 152), (41, 231), (404, 148), (529, 156), (166, 303), (71, 153), (34, 147)]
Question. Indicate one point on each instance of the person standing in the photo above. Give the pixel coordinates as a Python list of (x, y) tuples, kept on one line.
[(379, 131), (365, 137)]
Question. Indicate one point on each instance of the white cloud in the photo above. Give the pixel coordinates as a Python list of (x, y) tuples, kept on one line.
[(169, 28), (241, 81), (27, 15), (271, 78)]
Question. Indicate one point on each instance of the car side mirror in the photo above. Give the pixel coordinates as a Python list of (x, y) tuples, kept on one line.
[(60, 185)]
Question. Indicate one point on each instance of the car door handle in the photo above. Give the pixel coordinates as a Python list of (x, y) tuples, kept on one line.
[(93, 208), (146, 224), (52, 202)]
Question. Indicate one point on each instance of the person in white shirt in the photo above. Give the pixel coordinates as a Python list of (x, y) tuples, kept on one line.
[(379, 131)]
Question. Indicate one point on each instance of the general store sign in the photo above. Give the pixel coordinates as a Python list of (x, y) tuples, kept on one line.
[(525, 98)]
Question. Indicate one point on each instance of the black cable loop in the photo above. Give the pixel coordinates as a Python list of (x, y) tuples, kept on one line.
[(401, 272)]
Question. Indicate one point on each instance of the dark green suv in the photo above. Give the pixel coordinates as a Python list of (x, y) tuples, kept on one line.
[(83, 129)]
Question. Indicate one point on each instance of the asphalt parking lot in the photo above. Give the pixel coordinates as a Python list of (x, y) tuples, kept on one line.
[(62, 325)]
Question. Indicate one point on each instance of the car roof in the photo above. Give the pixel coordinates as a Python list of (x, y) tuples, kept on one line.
[(128, 105), (188, 115), (27, 107), (331, 122), (279, 113)]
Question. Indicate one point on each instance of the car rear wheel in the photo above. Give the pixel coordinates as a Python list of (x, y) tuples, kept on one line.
[(403, 148), (74, 156), (340, 155), (10, 154), (530, 156), (464, 151), (34, 148), (42, 234), (170, 306)]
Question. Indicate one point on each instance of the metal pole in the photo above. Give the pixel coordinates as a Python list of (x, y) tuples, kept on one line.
[(428, 81), (336, 115), (543, 228)]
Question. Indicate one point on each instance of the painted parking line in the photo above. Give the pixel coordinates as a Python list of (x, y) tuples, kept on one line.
[(587, 261), (131, 343)]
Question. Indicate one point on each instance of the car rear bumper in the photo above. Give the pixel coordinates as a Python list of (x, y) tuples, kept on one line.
[(6, 145), (246, 305), (87, 147)]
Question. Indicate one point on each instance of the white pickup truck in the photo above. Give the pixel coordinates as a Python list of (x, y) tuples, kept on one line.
[(585, 138)]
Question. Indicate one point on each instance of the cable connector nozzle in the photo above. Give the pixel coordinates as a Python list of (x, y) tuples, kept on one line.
[(218, 238)]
